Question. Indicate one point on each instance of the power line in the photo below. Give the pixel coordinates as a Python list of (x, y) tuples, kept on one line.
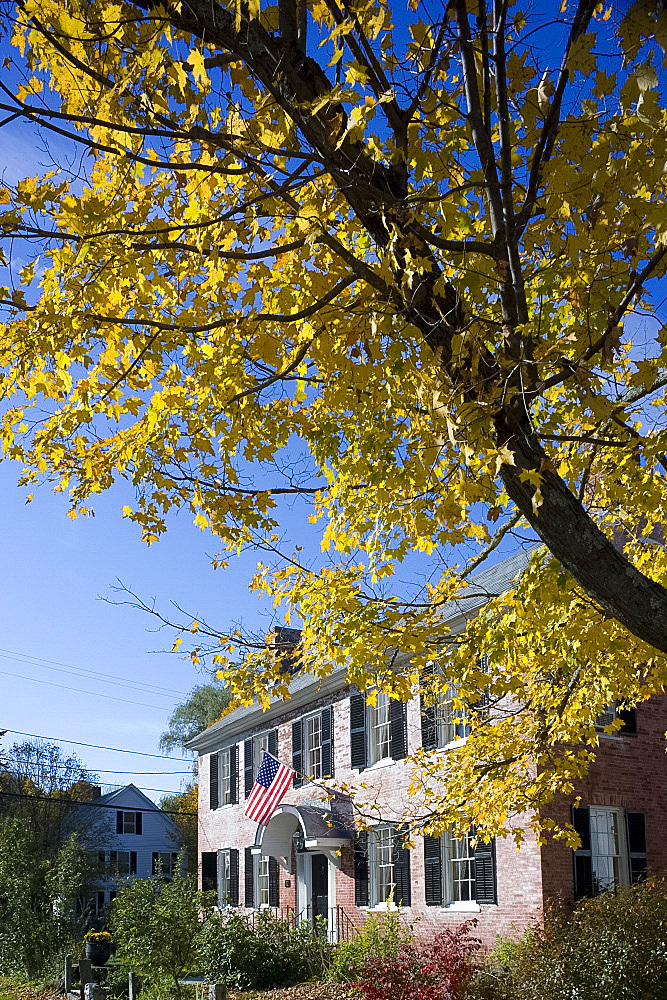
[(69, 668), (100, 805), (93, 746), (95, 694)]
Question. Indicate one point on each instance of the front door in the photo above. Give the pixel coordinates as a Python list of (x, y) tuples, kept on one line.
[(320, 886)]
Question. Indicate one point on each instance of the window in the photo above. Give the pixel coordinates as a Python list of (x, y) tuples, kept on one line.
[(377, 732), (123, 862), (128, 822), (628, 717), (378, 728), (224, 777), (312, 746), (225, 770), (450, 720), (457, 873), (253, 751), (381, 868), (165, 863), (262, 880), (224, 878), (612, 852), (382, 865)]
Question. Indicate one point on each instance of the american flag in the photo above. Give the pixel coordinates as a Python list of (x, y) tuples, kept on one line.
[(272, 781)]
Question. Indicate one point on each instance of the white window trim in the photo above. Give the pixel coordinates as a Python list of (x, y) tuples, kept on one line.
[(370, 732), (228, 752), (624, 866), (227, 852), (380, 905), (304, 738), (256, 861)]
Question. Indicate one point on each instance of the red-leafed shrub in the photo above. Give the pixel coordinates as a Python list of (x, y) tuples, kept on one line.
[(441, 970)]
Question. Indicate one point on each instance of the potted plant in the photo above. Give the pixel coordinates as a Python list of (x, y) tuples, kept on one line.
[(98, 946)]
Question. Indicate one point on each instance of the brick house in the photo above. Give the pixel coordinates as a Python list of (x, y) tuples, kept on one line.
[(308, 861)]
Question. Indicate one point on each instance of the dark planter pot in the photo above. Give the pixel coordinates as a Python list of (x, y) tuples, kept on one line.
[(98, 952)]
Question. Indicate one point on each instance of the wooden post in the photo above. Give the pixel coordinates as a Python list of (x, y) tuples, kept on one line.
[(85, 974), (132, 986), (217, 991), (68, 974)]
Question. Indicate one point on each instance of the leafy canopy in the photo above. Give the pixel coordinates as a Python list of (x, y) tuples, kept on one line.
[(403, 265)]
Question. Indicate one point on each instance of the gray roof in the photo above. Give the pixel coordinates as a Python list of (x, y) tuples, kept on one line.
[(304, 688)]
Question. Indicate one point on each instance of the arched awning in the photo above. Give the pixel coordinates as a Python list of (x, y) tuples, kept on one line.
[(320, 829)]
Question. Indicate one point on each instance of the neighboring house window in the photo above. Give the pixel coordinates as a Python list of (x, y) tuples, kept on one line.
[(128, 822), (228, 877), (312, 746), (253, 751), (165, 863), (261, 880), (377, 732), (455, 871), (123, 862), (612, 852), (381, 868), (223, 777), (628, 717)]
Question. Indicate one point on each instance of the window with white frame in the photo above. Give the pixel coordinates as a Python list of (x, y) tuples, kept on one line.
[(608, 856), (128, 822), (225, 776), (450, 717), (225, 877), (378, 728), (260, 745), (459, 869), (312, 745), (262, 897), (381, 858), (123, 862)]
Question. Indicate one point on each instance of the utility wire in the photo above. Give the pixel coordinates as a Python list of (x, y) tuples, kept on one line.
[(68, 668), (92, 746), (100, 805), (95, 694)]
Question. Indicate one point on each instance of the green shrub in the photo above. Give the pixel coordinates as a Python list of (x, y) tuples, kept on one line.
[(612, 946), (270, 952), (383, 935), (157, 925)]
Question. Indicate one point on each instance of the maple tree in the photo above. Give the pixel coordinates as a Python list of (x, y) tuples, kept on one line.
[(404, 264)]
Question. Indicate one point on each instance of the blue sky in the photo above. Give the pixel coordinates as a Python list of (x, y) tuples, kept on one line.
[(56, 572)]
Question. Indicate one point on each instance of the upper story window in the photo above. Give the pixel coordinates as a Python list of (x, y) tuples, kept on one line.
[(628, 717), (128, 822), (451, 721), (613, 849), (377, 731), (253, 752), (312, 746), (224, 776), (444, 718), (456, 872)]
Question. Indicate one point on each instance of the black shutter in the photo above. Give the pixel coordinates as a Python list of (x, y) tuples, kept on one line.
[(358, 730), (209, 871), (429, 731), (133, 862), (401, 859), (485, 873), (119, 822), (297, 752), (234, 876), (399, 731), (327, 742), (628, 717), (273, 742), (635, 823), (274, 890), (138, 822), (234, 772), (213, 800), (249, 880), (433, 870), (583, 867), (361, 886), (154, 862), (248, 776)]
